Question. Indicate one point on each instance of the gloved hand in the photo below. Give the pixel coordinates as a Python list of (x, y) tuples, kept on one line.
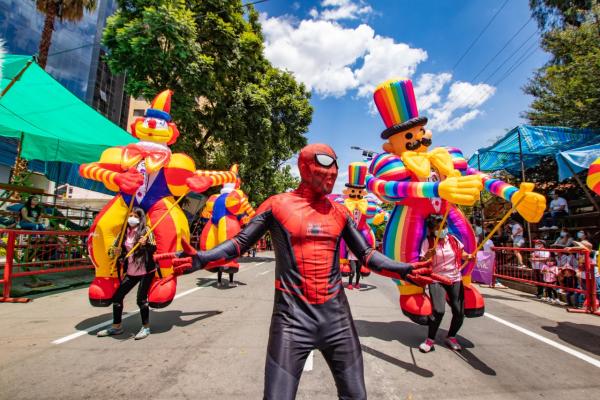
[(129, 181), (199, 184), (463, 190), (532, 205)]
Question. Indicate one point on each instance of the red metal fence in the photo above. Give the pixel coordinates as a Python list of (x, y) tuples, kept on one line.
[(569, 271), (32, 253)]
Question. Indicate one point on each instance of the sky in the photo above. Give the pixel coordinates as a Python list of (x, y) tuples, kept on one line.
[(467, 83)]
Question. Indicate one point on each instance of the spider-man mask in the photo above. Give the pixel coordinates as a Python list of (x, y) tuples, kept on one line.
[(318, 168)]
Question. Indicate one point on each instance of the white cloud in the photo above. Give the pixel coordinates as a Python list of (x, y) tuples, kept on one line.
[(428, 89), (385, 59), (334, 60), (460, 106), (342, 9)]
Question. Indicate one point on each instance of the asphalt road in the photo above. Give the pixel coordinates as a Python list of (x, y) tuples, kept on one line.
[(211, 343)]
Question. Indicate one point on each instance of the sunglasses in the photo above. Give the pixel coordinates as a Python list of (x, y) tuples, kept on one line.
[(325, 160)]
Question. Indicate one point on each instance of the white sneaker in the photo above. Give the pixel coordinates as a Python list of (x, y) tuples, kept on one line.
[(142, 334), (545, 299), (544, 228), (427, 346), (554, 227)]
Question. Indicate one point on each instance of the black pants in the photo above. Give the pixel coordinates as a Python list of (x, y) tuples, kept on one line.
[(354, 271), (220, 277), (456, 296), (296, 330), (142, 296)]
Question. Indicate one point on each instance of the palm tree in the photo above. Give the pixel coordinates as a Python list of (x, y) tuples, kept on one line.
[(65, 10)]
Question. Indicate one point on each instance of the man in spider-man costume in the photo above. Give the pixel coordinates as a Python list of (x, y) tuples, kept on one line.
[(311, 310)]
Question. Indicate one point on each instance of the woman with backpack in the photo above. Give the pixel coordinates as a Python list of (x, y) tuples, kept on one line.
[(446, 260), (139, 268)]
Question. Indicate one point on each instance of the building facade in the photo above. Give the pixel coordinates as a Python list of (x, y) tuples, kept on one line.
[(75, 57)]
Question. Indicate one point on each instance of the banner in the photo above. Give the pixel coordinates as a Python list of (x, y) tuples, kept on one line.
[(484, 270)]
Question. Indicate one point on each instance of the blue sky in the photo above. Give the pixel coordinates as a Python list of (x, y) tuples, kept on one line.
[(341, 49)]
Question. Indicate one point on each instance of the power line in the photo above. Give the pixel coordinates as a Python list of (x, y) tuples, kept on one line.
[(503, 47), (479, 36), (510, 56)]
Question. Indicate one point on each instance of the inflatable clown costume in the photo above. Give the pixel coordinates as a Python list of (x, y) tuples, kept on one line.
[(147, 175)]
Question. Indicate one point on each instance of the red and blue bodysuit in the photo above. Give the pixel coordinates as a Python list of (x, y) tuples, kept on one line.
[(311, 310)]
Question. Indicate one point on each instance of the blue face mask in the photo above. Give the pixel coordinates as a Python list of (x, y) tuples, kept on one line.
[(563, 234)]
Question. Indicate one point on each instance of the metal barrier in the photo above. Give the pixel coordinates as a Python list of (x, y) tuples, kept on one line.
[(566, 265), (32, 253)]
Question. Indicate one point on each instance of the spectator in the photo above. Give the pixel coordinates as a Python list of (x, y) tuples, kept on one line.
[(564, 239), (550, 272), (582, 242), (31, 215), (558, 208), (488, 247), (539, 260), (478, 231), (518, 239), (567, 266)]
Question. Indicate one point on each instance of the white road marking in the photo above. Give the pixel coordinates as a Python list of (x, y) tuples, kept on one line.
[(308, 365), (80, 333), (566, 349), (263, 273)]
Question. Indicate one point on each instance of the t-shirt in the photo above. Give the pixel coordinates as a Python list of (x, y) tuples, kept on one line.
[(517, 230), (550, 272), (555, 204), (444, 261), (540, 254), (134, 266)]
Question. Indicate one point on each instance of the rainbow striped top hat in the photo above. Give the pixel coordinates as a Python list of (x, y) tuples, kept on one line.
[(161, 106), (357, 175), (395, 100)]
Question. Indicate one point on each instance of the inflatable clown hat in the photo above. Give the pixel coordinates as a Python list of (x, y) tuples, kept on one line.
[(161, 106), (395, 100), (357, 175)]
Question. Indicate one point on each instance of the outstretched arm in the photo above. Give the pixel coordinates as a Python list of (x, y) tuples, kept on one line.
[(108, 171), (529, 204), (372, 258), (229, 249)]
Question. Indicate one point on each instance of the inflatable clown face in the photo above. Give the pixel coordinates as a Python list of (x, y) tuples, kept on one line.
[(413, 139), (405, 129), (156, 125)]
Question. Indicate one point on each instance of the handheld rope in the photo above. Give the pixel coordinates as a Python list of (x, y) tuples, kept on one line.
[(494, 230), (111, 250), (155, 225)]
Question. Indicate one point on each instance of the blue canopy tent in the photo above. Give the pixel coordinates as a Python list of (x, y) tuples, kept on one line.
[(525, 146), (572, 162)]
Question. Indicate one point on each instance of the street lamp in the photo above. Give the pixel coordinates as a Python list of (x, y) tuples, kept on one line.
[(367, 154)]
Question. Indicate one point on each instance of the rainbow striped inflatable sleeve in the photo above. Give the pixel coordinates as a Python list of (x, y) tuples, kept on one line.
[(459, 160), (593, 178), (495, 186), (396, 191)]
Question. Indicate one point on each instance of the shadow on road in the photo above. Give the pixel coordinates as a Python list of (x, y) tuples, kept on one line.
[(243, 260), (411, 335), (586, 337), (425, 373), (160, 322), (212, 282)]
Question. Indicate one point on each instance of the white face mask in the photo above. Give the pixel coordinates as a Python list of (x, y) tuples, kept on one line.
[(563, 234), (133, 221), (580, 235), (443, 233), (538, 246)]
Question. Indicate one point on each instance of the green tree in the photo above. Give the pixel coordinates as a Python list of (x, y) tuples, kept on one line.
[(64, 10), (566, 91), (230, 104), (551, 14)]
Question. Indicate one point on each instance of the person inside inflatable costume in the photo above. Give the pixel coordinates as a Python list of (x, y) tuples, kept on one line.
[(310, 310), (226, 213), (357, 205), (153, 176), (421, 182)]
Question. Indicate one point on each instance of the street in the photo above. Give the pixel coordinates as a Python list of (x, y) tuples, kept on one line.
[(210, 343)]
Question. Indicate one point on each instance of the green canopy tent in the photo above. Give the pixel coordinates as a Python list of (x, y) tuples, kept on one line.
[(52, 123)]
